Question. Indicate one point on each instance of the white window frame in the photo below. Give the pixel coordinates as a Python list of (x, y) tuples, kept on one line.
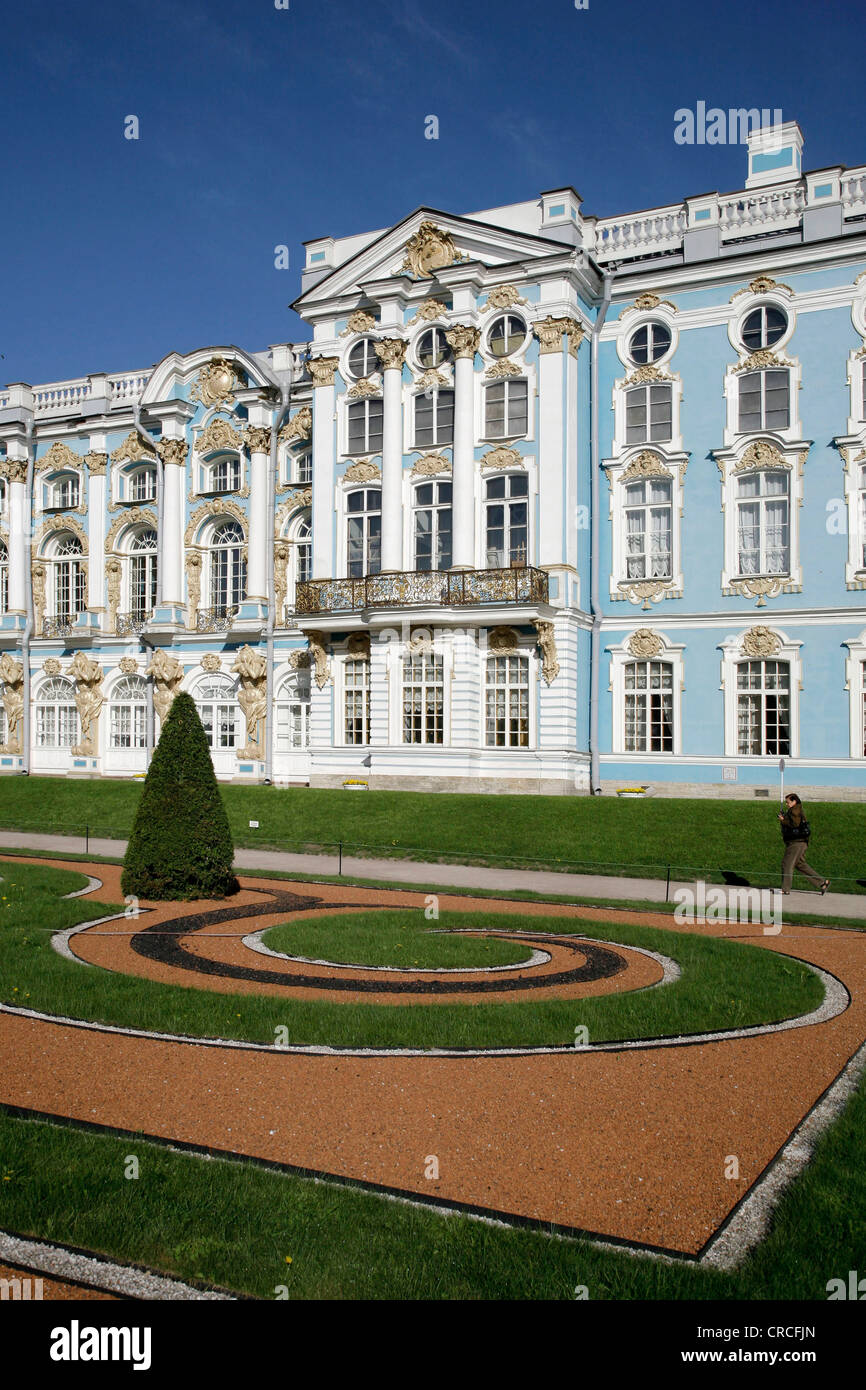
[(530, 656), (52, 485), (345, 688), (424, 655), (293, 692), (55, 561), (775, 358), (489, 477), (433, 393), (622, 656), (628, 468), (217, 703), (119, 700), (343, 517), (55, 704), (732, 654), (790, 460), (344, 406), (211, 551), (4, 577), (412, 508)]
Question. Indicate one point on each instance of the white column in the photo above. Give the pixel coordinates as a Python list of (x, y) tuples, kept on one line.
[(97, 464), (19, 526), (464, 339), (258, 441), (171, 521), (551, 428), (322, 371), (391, 352)]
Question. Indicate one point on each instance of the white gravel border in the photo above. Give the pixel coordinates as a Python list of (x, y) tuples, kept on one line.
[(127, 1281)]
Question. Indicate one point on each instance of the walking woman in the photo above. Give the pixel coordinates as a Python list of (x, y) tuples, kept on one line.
[(795, 833)]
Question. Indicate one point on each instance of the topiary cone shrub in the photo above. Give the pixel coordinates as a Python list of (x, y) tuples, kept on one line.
[(181, 846)]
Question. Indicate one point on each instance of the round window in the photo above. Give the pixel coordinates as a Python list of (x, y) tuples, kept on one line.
[(362, 359), (649, 343), (506, 335), (763, 327), (433, 348)]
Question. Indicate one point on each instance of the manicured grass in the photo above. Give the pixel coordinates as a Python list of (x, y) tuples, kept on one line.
[(600, 834), (724, 984), (233, 1224), (401, 937)]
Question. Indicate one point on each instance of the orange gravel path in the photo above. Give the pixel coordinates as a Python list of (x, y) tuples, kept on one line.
[(628, 1144)]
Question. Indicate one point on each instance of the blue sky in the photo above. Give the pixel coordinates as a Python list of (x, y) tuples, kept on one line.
[(261, 127)]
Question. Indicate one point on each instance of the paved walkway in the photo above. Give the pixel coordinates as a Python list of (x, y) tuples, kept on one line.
[(834, 906)]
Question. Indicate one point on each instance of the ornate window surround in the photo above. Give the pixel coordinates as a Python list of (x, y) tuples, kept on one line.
[(855, 684), (421, 639), (371, 388), (496, 370), (744, 302), (223, 438), (853, 452), (122, 474), (508, 641), (411, 396), (433, 466), (759, 644), (633, 318), (644, 461), (361, 474), (760, 453), (645, 644), (527, 464), (51, 480)]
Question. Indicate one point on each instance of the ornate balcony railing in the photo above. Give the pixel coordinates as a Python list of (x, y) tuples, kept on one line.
[(130, 624), (214, 619), (416, 588), (58, 627)]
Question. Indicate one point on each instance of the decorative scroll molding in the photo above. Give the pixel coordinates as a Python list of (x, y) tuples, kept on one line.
[(431, 248), (299, 661), (51, 666), (503, 297), (391, 352), (763, 357), (299, 427), (218, 506), (431, 464), (649, 372), (128, 665), (193, 565), (646, 465), (362, 472), (358, 646), (136, 516), (359, 322), (646, 591), (502, 641), (219, 435), (113, 575), (644, 643), (501, 458), (216, 382), (173, 451), (59, 456), (549, 333), (133, 449), (761, 454), (12, 676), (319, 656), (760, 642), (252, 668), (432, 377), (281, 577), (322, 370), (56, 525), (428, 311), (211, 662), (547, 647), (463, 338), (291, 507), (88, 676), (97, 464), (258, 439), (14, 469), (762, 284), (167, 674), (367, 386), (37, 579), (650, 300), (503, 368), (761, 589)]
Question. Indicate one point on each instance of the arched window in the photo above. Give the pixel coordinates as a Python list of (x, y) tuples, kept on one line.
[(56, 715), (69, 598), (506, 335), (363, 360), (216, 700), (128, 713), (62, 492), (763, 533), (303, 467), (228, 570), (303, 551), (141, 485), (142, 574), (224, 474), (763, 327), (650, 342), (4, 578), (764, 708), (293, 712)]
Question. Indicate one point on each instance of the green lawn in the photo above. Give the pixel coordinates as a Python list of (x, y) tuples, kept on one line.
[(603, 834), (724, 984)]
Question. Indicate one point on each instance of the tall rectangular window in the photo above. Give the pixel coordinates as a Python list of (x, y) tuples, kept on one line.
[(365, 426), (648, 529), (364, 532), (434, 419), (432, 526), (506, 409), (356, 701), (862, 514), (423, 698), (764, 401), (507, 521), (763, 545), (649, 707), (507, 702), (763, 708), (648, 414)]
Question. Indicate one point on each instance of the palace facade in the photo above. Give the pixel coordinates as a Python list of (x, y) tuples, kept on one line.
[(548, 502)]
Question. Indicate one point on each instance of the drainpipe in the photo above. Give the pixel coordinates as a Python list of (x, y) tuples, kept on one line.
[(276, 422), (594, 598), (148, 646), (27, 521)]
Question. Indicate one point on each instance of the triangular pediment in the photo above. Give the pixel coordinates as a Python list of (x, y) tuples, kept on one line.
[(421, 245)]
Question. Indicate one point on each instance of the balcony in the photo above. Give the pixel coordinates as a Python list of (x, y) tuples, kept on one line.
[(59, 627), (215, 619), (424, 588), (130, 624)]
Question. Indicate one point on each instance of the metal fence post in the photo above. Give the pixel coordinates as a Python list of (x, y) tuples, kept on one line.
[(668, 885), (340, 864)]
